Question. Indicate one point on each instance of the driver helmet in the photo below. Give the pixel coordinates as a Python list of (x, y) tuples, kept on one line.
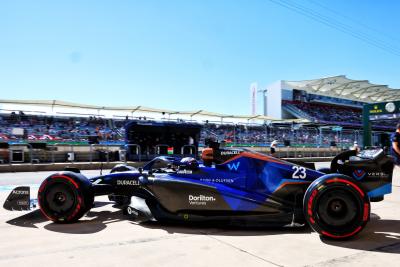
[(189, 163)]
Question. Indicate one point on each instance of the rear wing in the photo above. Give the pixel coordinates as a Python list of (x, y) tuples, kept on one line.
[(19, 199)]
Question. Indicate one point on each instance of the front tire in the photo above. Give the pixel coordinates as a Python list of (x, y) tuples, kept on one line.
[(336, 207), (65, 197)]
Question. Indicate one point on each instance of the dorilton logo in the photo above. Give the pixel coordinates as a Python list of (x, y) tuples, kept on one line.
[(128, 182), (20, 192), (200, 200)]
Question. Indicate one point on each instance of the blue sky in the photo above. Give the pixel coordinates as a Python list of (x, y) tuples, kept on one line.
[(187, 55)]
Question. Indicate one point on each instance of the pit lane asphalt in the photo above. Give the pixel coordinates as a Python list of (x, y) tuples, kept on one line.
[(106, 237)]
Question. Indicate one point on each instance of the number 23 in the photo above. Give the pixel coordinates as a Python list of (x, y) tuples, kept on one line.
[(299, 172)]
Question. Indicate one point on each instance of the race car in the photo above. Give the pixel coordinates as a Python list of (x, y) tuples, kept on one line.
[(227, 185)]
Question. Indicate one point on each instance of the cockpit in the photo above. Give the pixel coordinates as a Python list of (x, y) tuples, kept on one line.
[(164, 164)]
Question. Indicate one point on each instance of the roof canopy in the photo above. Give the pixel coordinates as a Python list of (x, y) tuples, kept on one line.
[(342, 87), (54, 104)]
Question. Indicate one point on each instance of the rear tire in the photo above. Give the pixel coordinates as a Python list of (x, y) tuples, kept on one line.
[(336, 207), (65, 197)]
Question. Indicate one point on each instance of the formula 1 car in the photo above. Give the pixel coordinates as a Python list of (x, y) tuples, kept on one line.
[(228, 185)]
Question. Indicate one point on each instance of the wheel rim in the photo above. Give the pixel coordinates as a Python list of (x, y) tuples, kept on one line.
[(60, 198), (338, 208)]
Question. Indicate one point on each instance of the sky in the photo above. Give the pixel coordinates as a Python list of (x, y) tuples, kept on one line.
[(190, 55)]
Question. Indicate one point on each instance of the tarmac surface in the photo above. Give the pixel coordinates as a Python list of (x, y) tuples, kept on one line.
[(106, 237)]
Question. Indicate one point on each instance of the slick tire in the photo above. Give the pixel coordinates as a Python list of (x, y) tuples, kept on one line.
[(336, 207), (65, 197)]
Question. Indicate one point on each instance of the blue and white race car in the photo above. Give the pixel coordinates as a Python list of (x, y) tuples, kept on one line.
[(228, 185)]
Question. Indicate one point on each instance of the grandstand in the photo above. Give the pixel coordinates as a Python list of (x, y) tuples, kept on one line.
[(55, 121), (19, 126), (334, 102), (328, 113), (313, 113)]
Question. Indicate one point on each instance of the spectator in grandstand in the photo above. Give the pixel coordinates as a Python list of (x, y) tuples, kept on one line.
[(355, 147), (273, 147)]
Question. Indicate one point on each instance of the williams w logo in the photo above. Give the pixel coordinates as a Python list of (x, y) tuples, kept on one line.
[(234, 166)]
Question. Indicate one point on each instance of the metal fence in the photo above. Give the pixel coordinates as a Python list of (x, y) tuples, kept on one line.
[(294, 141), (25, 153), (288, 135)]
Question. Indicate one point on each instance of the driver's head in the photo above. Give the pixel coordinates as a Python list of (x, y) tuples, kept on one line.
[(207, 156)]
